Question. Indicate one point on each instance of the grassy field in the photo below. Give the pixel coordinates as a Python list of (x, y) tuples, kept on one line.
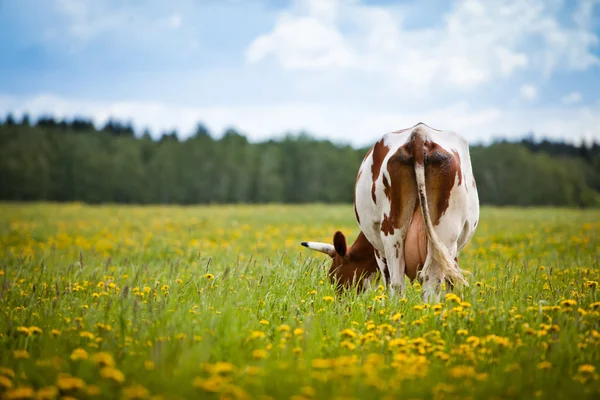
[(223, 302)]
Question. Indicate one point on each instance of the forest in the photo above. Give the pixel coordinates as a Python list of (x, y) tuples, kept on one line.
[(72, 160)]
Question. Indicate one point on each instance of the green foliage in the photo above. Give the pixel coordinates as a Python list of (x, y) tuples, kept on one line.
[(73, 161)]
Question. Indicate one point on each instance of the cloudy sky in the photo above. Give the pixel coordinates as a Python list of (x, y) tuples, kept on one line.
[(347, 70)]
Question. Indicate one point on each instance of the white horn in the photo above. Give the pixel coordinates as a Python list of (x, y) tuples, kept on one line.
[(322, 247)]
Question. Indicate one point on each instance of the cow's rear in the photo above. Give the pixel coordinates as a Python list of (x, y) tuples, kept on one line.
[(415, 207)]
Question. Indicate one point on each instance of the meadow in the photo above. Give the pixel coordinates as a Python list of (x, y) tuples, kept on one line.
[(222, 302)]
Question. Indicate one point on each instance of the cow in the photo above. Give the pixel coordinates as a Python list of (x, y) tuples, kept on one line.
[(417, 205)]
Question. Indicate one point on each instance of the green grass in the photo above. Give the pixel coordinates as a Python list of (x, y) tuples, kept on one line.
[(223, 302)]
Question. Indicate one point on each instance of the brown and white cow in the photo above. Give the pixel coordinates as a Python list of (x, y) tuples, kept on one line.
[(417, 205)]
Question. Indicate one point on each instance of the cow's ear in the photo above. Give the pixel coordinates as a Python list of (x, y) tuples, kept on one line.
[(339, 243)]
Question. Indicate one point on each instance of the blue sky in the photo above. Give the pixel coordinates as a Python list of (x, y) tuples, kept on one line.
[(344, 70)]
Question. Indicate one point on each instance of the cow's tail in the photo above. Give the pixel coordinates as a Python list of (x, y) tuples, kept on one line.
[(436, 249)]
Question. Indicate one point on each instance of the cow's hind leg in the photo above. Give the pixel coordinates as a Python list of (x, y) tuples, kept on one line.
[(385, 272), (394, 253)]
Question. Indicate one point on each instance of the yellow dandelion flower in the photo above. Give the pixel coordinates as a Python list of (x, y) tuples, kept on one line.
[(462, 332), (135, 392), (396, 316), (462, 371), (348, 333), (586, 369), (5, 382), (257, 335), (21, 354), (7, 372), (86, 334), (221, 368), (47, 393), (328, 299), (103, 359), (284, 328), (66, 382), (55, 332), (214, 384), (24, 330), (348, 345), (259, 354), (112, 374), (209, 276), (79, 354), (298, 331), (23, 392), (263, 322), (544, 365), (92, 390), (568, 303)]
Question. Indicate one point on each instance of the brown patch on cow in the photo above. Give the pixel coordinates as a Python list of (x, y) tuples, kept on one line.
[(440, 174), (380, 150), (459, 167), (387, 225), (387, 190), (402, 189), (358, 263)]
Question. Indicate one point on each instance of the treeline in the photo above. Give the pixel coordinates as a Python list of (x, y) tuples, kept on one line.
[(72, 160)]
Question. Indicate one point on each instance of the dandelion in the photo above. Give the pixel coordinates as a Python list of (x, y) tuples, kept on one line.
[(462, 332), (7, 372), (284, 328), (47, 393), (462, 371), (348, 333), (221, 368), (21, 354), (135, 392), (103, 359), (298, 331), (79, 354), (24, 330), (92, 390), (263, 322), (586, 369), (544, 365), (328, 299), (66, 383), (396, 317), (87, 335), (348, 345), (209, 276), (259, 354), (5, 382), (214, 384), (112, 374), (257, 335), (568, 303), (23, 392)]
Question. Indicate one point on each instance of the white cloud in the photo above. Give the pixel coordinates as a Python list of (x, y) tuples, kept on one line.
[(355, 126), (477, 41), (529, 92), (572, 98)]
